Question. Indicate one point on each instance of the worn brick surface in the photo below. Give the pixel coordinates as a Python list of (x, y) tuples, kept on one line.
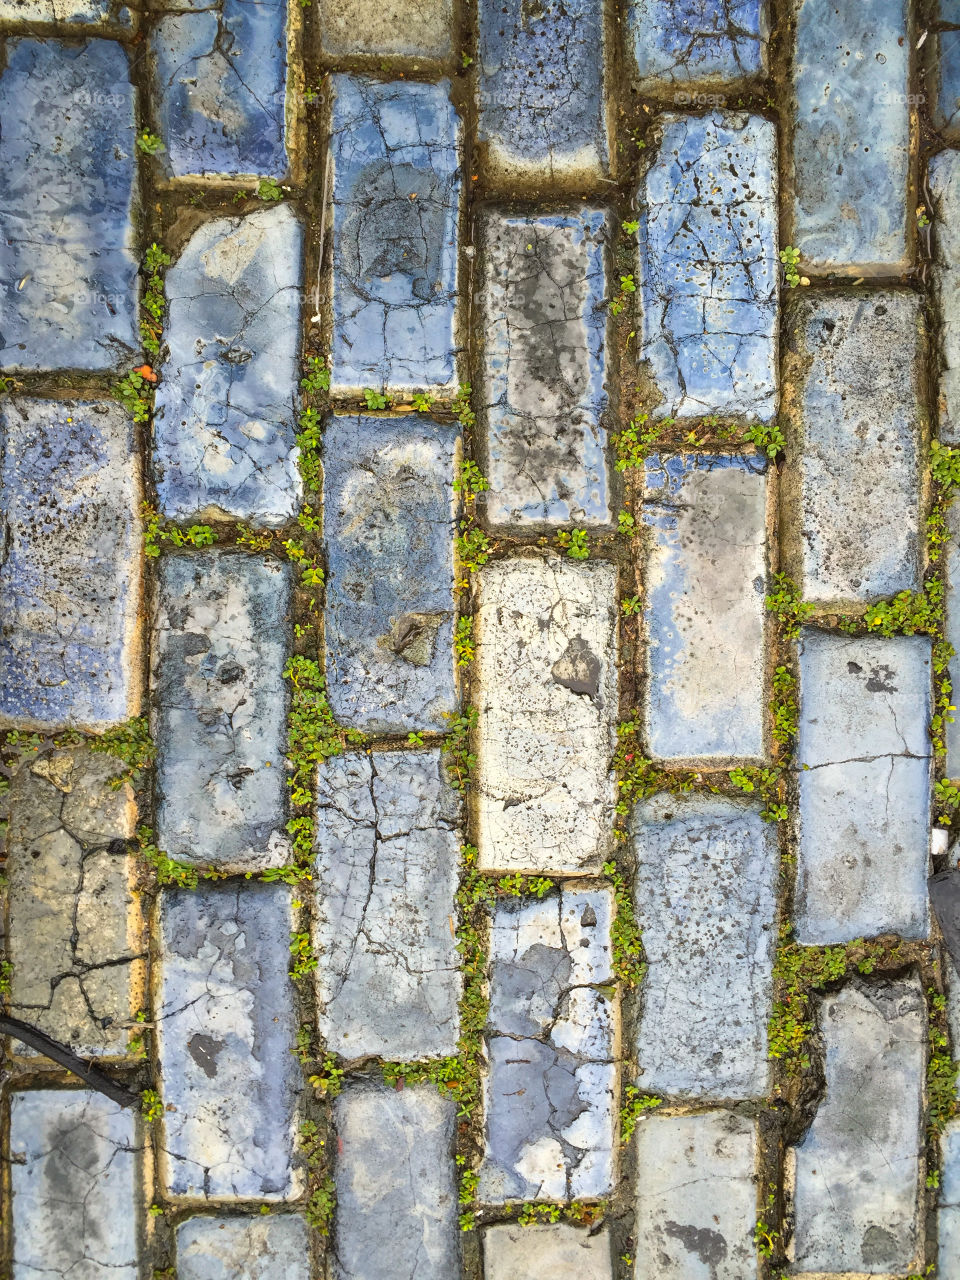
[(680, 42), (948, 1199), (402, 28), (943, 177), (527, 1253), (83, 13), (272, 1248)]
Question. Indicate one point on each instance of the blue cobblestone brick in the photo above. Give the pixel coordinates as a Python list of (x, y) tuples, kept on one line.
[(676, 42)]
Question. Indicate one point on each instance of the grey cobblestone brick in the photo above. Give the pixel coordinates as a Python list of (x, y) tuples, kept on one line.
[(948, 1200), (943, 178), (544, 381), (400, 28), (271, 1248), (546, 666), (83, 13), (532, 1252), (944, 78), (225, 1031), (681, 42), (388, 500), (219, 650), (70, 572)]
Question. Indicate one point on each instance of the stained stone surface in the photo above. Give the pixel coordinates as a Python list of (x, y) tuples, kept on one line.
[(850, 160), (388, 507), (82, 12), (68, 262), (948, 1200), (558, 1249), (219, 649), (705, 581), (541, 70), (546, 676), (271, 1248), (552, 1043), (70, 570), (75, 932), (944, 78), (73, 1193), (678, 42), (857, 1169), (544, 370), (854, 462), (226, 1023), (395, 159), (705, 903), (696, 1197), (943, 180), (224, 421), (864, 760), (219, 77), (708, 266), (396, 1192), (384, 28), (386, 874)]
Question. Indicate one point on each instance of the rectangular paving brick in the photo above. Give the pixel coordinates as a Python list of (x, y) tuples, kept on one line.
[(224, 421), (397, 28), (706, 886), (708, 267), (276, 1247), (552, 1044), (943, 178), (679, 42), (558, 1250), (73, 1199), (93, 13), (395, 157), (386, 874), (864, 757), (68, 263), (75, 933), (226, 1022), (541, 109), (856, 1174), (220, 645), (396, 1192), (849, 164), (696, 1197), (215, 120), (544, 376), (704, 605), (546, 673), (943, 77), (853, 470), (389, 527), (948, 1201), (70, 573)]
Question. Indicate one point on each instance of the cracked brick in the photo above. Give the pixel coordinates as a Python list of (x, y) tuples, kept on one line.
[(395, 158), (70, 573), (708, 267), (276, 1247), (544, 381), (386, 874), (68, 271), (387, 28), (389, 507), (85, 13), (224, 425), (943, 177), (863, 757), (710, 42), (547, 704), (221, 636), (557, 1250), (943, 76), (225, 1030), (705, 577)]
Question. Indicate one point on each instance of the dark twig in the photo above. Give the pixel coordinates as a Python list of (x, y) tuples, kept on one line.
[(59, 1053)]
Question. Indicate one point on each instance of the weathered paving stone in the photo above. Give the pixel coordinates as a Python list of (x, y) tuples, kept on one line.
[(696, 1197), (853, 476), (546, 673), (705, 616), (552, 1043), (75, 932), (706, 903), (386, 875), (385, 28), (224, 421), (272, 1248), (544, 371), (73, 1204), (219, 78), (948, 1201), (396, 1194), (389, 522), (943, 176), (225, 1030), (540, 91), (70, 573), (850, 157), (395, 155), (82, 12), (559, 1250), (219, 650), (68, 270), (679, 42), (708, 267), (863, 752), (943, 76), (857, 1171)]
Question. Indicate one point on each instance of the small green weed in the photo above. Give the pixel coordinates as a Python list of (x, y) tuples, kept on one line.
[(575, 542), (625, 937), (375, 399), (473, 547), (328, 1081), (790, 258), (149, 143), (133, 392), (463, 645), (631, 605), (634, 442), (304, 961), (635, 1104), (150, 1105), (787, 603), (459, 759), (768, 438), (269, 189), (131, 743), (626, 524), (469, 480)]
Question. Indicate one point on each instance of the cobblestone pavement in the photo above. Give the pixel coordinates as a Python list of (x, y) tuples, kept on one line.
[(479, 584)]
